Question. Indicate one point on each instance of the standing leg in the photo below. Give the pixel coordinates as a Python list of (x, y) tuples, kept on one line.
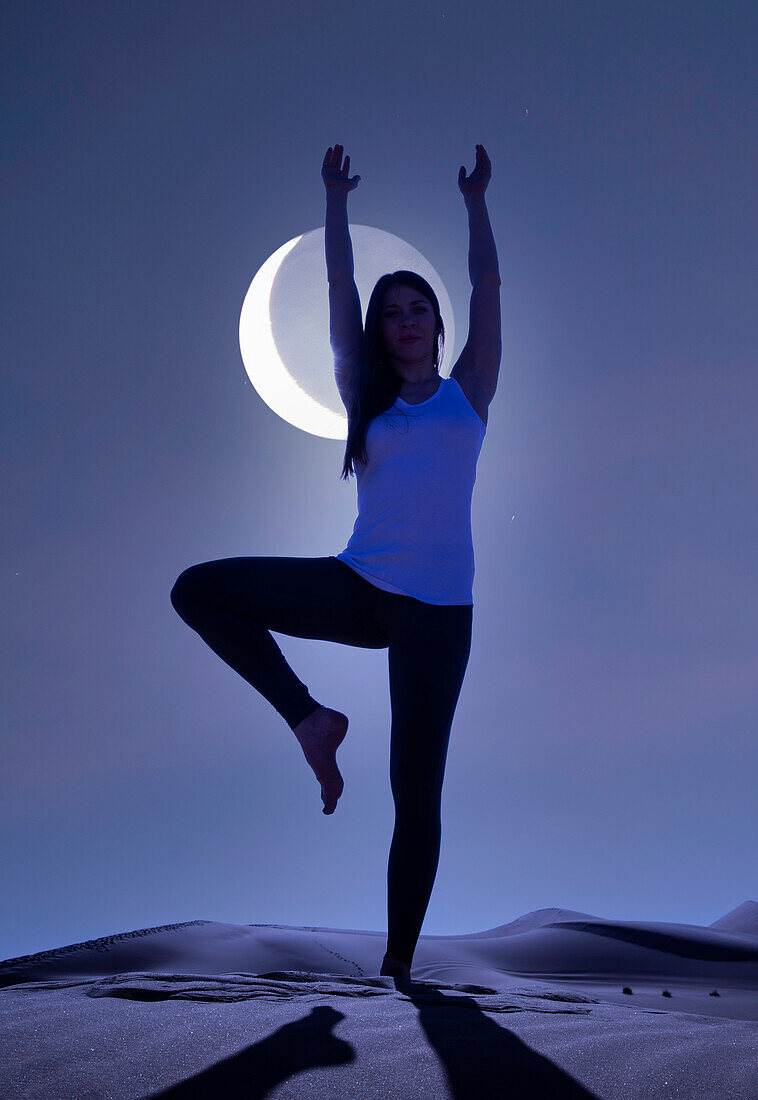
[(428, 654)]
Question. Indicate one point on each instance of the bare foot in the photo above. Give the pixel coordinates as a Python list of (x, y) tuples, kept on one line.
[(320, 735), (395, 968)]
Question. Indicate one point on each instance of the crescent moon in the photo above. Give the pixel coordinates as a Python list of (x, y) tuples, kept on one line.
[(376, 252)]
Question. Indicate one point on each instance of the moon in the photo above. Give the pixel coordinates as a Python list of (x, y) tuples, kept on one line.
[(284, 323)]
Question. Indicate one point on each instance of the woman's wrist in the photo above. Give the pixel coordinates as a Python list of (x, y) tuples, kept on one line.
[(336, 198)]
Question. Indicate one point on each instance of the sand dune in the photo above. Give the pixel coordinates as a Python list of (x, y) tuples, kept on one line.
[(555, 1003)]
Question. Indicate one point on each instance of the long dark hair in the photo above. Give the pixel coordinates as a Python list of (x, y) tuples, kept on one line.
[(376, 385)]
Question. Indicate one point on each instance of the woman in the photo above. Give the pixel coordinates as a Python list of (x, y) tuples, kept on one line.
[(403, 582)]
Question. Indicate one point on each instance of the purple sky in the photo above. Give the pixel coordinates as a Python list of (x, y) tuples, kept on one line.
[(604, 752)]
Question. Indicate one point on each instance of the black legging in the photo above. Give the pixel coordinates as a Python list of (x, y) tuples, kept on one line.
[(233, 603)]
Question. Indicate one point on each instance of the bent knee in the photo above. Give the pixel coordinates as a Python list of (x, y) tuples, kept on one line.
[(187, 591)]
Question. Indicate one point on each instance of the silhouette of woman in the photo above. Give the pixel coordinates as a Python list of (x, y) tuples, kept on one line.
[(404, 580)]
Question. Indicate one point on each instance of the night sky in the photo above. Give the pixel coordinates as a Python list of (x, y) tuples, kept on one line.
[(603, 754)]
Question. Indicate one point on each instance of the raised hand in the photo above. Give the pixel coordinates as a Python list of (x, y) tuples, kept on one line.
[(476, 183), (335, 174)]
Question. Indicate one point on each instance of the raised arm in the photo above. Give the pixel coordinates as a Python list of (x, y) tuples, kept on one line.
[(345, 323), (479, 363)]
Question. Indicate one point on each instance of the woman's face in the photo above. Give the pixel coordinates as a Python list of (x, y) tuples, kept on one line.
[(406, 312)]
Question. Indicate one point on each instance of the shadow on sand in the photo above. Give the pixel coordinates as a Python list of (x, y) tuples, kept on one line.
[(481, 1058)]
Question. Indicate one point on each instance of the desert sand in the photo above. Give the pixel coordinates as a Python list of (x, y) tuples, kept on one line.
[(556, 1003)]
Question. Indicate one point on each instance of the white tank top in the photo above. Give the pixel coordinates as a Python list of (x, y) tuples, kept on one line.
[(413, 531)]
